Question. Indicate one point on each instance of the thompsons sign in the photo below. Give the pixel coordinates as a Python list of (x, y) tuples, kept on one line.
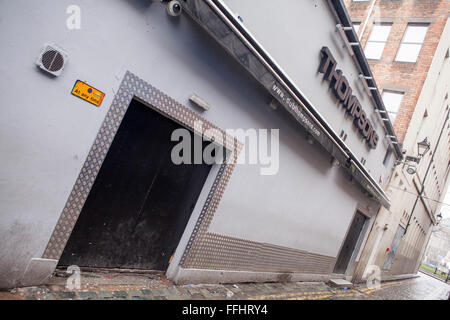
[(343, 92)]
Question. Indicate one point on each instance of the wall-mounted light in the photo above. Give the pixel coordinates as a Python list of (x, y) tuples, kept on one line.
[(199, 102), (411, 169), (335, 162), (422, 148)]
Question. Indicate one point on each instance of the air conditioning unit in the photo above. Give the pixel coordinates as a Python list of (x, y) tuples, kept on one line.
[(52, 59)]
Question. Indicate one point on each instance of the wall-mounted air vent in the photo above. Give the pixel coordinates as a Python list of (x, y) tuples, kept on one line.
[(52, 60)]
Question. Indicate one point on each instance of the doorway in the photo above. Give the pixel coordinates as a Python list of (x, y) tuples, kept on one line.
[(350, 243), (140, 202), (393, 249)]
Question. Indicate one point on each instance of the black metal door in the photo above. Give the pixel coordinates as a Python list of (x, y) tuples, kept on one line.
[(140, 202), (350, 243)]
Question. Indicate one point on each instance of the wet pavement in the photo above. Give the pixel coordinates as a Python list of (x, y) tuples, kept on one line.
[(126, 286)]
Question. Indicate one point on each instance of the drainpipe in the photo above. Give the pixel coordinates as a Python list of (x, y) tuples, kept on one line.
[(422, 188), (369, 13)]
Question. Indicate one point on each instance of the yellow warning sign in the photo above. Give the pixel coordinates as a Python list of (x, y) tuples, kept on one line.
[(88, 93)]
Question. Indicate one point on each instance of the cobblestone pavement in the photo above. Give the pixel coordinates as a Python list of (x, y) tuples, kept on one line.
[(110, 286)]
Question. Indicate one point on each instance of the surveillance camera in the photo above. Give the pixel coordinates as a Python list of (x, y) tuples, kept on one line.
[(174, 8)]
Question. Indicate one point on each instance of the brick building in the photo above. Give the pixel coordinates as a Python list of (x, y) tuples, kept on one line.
[(407, 45), (384, 24)]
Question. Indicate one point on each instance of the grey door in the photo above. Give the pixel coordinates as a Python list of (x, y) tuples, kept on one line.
[(350, 243), (393, 249)]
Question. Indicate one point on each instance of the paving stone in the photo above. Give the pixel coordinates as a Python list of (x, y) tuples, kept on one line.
[(267, 287), (197, 296), (47, 296), (105, 294), (158, 292), (193, 291), (231, 288), (146, 292), (89, 295), (134, 293), (67, 295), (34, 290), (171, 292), (270, 291), (273, 285), (183, 291), (204, 292), (120, 294)]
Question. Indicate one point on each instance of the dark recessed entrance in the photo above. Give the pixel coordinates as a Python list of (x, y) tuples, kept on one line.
[(350, 243), (140, 202)]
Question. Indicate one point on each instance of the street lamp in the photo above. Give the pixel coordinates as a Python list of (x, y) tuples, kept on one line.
[(422, 149), (439, 218)]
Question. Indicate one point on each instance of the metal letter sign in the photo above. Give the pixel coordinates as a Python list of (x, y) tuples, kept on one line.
[(88, 93), (343, 92)]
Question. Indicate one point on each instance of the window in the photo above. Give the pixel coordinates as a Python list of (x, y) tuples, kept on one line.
[(392, 101), (377, 40), (387, 157), (411, 43), (356, 26)]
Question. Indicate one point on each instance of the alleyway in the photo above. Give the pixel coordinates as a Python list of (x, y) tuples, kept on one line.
[(108, 286)]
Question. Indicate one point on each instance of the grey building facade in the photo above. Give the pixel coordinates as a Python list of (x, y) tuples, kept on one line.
[(72, 170)]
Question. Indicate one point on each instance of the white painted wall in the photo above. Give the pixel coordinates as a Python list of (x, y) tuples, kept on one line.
[(46, 133)]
